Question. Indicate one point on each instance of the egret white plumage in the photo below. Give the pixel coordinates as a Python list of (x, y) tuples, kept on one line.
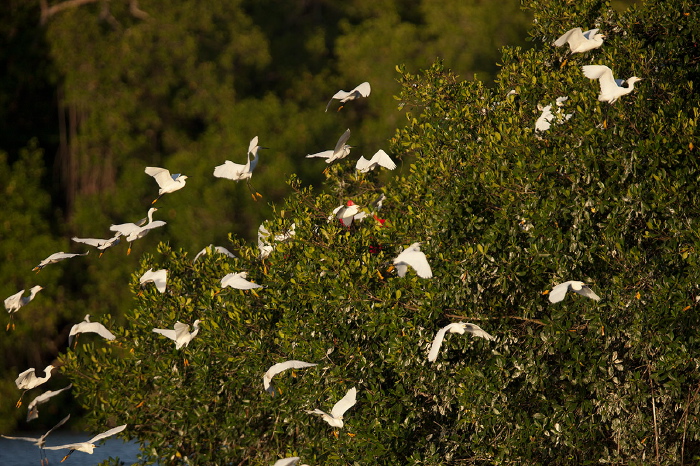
[(89, 327), (414, 257), (100, 244), (17, 300), (281, 367), (291, 461), (580, 41), (362, 90), (559, 291), (458, 327), (335, 418), (340, 151), (89, 446), (611, 89), (56, 257), (380, 158), (28, 380), (545, 120), (132, 231), (265, 246), (33, 407), (348, 213), (237, 172), (158, 277), (238, 281), (167, 183), (216, 249), (181, 335), (40, 441)]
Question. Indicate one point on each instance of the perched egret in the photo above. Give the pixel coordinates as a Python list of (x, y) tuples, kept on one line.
[(348, 213), (458, 327), (380, 158), (55, 257), (580, 41), (559, 291), (40, 441), (238, 281), (33, 407), (28, 380), (335, 418), (264, 244), (362, 90), (89, 327), (611, 89), (133, 231), (341, 150), (89, 446), (100, 244), (280, 367), (181, 335), (159, 277), (414, 257), (166, 182), (16, 301), (216, 249), (545, 120), (237, 172)]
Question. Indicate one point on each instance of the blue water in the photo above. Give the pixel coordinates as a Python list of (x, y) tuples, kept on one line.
[(21, 453)]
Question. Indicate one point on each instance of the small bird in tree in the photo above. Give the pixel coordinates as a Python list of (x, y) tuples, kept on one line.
[(17, 301), (181, 335), (133, 231), (166, 182), (361, 90), (158, 277), (459, 327), (28, 380), (340, 152), (611, 89), (237, 172), (558, 292), (281, 367), (100, 244), (380, 158), (414, 257), (238, 281), (55, 257), (40, 441), (580, 41), (89, 446), (335, 418), (89, 327), (33, 407)]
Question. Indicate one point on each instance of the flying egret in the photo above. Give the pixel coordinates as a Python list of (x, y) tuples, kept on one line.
[(237, 172), (611, 89), (348, 213), (361, 90), (33, 407), (280, 367), (559, 291), (341, 150), (159, 277), (414, 257), (28, 380), (16, 301), (89, 446), (133, 231), (216, 249), (40, 441), (458, 327), (380, 158), (167, 183), (238, 281), (181, 335), (55, 257), (291, 461), (89, 327), (580, 41), (100, 244), (335, 418)]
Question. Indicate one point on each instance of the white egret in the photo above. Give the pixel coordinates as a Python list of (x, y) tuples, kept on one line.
[(580, 41), (335, 418), (167, 183), (133, 231), (281, 367), (340, 151), (291, 461), (55, 257), (458, 327), (28, 380), (100, 244), (89, 327), (559, 291), (380, 158), (181, 335), (216, 249), (237, 172), (414, 257), (16, 301), (158, 277), (33, 407), (611, 89), (89, 446), (348, 213), (545, 120), (361, 90), (40, 441), (238, 281)]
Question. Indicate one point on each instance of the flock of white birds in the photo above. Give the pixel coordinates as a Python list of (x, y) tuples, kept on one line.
[(578, 41)]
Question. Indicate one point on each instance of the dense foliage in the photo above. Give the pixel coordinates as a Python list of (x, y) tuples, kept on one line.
[(503, 213)]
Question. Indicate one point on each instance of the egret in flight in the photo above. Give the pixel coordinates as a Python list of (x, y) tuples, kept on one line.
[(459, 327), (611, 89), (133, 231), (33, 407), (158, 277), (17, 300), (40, 441), (167, 183), (100, 244), (89, 327), (281, 367), (237, 172), (181, 335), (216, 249), (414, 257), (89, 446), (580, 41), (340, 151), (558, 292), (361, 90), (55, 257), (380, 158), (28, 380), (238, 281), (335, 418)]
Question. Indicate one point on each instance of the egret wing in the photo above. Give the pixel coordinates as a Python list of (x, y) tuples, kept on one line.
[(383, 159), (437, 343), (106, 434), (345, 403), (166, 332), (161, 175), (558, 292), (341, 142)]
